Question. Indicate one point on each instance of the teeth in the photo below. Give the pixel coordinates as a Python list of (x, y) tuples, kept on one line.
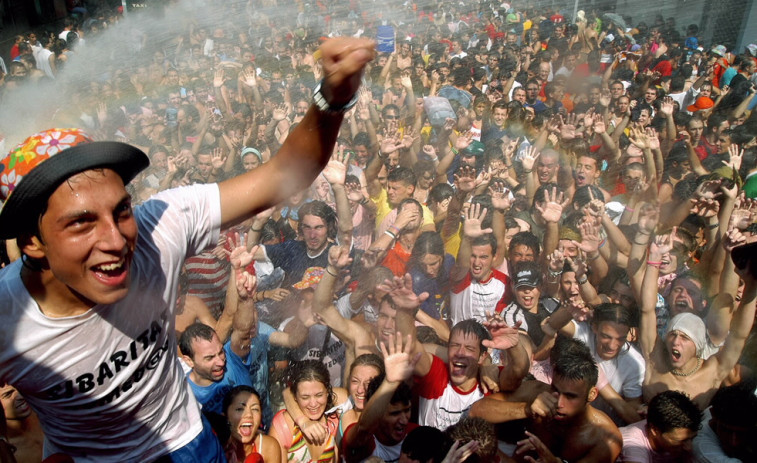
[(247, 425), (113, 266)]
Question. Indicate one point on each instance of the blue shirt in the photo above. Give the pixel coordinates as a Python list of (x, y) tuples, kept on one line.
[(256, 364), (211, 396)]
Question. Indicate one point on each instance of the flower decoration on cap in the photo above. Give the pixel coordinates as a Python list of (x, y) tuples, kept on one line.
[(33, 151), (310, 279), (34, 169)]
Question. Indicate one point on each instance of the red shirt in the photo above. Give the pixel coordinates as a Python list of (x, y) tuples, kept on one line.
[(396, 260)]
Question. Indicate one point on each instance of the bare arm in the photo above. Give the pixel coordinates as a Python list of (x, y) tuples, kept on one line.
[(741, 325), (307, 150)]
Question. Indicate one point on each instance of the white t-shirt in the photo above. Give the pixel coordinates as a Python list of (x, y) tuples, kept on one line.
[(625, 373), (107, 385)]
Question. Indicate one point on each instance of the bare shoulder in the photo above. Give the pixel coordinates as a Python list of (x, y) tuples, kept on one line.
[(270, 449), (605, 430)]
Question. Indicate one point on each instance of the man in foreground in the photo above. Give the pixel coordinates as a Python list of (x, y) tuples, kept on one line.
[(94, 296)]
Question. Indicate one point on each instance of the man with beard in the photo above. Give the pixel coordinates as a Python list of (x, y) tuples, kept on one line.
[(317, 227), (211, 376)]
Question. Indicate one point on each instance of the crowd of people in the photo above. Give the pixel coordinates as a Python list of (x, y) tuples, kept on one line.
[(529, 239)]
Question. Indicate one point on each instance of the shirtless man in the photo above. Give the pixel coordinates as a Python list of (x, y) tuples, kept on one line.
[(24, 432), (567, 427), (676, 361)]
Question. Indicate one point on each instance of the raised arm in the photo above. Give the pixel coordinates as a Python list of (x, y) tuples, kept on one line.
[(648, 325), (742, 321), (306, 151), (336, 174), (348, 331), (398, 363)]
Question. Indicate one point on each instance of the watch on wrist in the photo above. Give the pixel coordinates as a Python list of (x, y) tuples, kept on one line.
[(320, 101)]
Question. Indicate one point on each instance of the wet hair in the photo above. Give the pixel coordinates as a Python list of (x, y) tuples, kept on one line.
[(440, 192), (611, 312), (374, 277), (413, 201), (233, 393), (473, 428), (390, 107), (417, 445), (362, 138), (368, 360), (192, 332), (485, 239), (322, 210), (567, 346), (526, 238), (736, 405), (541, 192), (423, 166), (472, 326), (669, 410), (427, 243), (402, 174), (402, 395), (582, 197), (309, 370), (577, 366)]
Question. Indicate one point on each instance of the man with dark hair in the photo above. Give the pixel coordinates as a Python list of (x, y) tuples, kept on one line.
[(211, 376), (568, 427), (729, 426), (533, 88), (673, 421), (95, 294), (477, 287), (416, 446), (447, 391), (318, 227), (385, 420), (524, 247), (606, 335), (482, 432), (458, 91)]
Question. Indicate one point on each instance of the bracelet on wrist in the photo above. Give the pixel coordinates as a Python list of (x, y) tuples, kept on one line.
[(713, 226), (629, 209), (593, 258), (527, 171), (582, 280), (331, 273), (256, 230), (654, 263), (392, 235), (554, 274)]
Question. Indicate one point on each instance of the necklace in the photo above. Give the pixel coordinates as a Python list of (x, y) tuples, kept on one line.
[(693, 370)]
